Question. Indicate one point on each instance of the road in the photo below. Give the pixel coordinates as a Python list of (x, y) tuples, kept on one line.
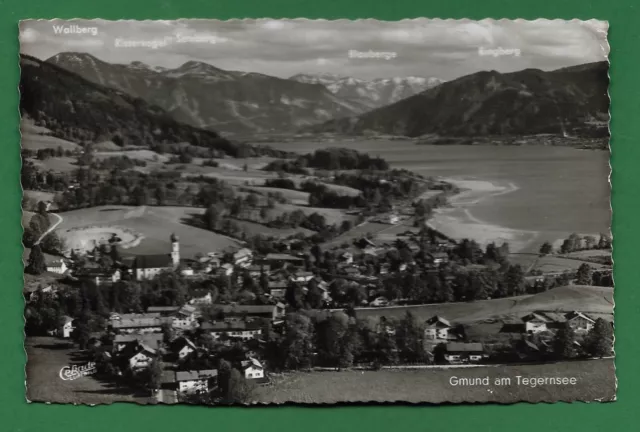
[(51, 228)]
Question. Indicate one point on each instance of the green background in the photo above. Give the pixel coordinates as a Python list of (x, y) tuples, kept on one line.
[(624, 17)]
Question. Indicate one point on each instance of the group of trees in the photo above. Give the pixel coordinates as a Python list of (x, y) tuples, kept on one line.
[(339, 340), (597, 343)]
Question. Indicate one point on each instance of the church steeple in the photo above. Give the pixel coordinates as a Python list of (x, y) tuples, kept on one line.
[(175, 250)]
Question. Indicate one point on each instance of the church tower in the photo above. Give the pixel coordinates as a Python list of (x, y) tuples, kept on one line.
[(175, 250)]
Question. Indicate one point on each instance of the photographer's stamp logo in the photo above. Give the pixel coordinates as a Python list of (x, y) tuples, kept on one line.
[(70, 373)]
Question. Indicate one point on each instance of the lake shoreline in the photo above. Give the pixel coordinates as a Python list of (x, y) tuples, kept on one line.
[(457, 221)]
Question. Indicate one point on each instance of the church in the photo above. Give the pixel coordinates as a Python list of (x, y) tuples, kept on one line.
[(148, 266)]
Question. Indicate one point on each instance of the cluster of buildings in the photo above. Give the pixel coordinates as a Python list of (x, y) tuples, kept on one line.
[(439, 330), (140, 339)]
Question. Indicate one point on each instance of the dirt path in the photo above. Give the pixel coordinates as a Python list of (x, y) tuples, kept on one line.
[(51, 228)]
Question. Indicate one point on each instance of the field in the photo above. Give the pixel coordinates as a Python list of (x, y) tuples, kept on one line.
[(56, 164), (46, 356), (587, 299), (595, 380), (154, 224), (31, 141)]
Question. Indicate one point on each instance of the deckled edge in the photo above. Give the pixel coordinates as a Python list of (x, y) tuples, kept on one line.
[(24, 302), (606, 51), (606, 48)]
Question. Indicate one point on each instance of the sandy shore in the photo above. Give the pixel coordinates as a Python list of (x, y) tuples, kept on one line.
[(458, 222)]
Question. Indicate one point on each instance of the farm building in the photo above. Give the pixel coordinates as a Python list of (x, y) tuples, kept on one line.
[(233, 329), (252, 369), (58, 266), (535, 323)]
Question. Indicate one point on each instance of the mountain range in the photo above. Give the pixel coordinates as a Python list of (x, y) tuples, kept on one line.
[(373, 93), (82, 111), (571, 101), (207, 97)]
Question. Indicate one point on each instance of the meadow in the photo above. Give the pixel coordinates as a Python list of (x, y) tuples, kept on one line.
[(154, 224), (587, 299), (595, 380)]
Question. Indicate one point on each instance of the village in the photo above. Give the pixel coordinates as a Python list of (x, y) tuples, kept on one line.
[(183, 344)]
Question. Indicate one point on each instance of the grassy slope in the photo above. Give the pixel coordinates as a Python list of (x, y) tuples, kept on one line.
[(563, 299), (156, 224)]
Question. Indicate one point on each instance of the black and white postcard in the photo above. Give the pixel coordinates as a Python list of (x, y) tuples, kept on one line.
[(309, 211)]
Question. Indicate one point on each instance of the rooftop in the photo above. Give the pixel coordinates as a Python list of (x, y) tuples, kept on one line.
[(153, 261), (196, 375), (465, 347)]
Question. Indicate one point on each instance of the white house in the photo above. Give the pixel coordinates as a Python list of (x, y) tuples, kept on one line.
[(201, 298), (460, 352), (233, 329), (190, 382), (67, 327), (183, 347), (243, 257), (535, 323), (579, 322), (253, 369), (379, 302), (56, 266), (142, 357), (437, 328), (185, 318)]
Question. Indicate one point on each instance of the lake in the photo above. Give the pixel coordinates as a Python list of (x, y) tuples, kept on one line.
[(551, 191)]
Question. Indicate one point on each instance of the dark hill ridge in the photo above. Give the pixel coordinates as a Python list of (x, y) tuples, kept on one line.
[(81, 111), (207, 97), (570, 101)]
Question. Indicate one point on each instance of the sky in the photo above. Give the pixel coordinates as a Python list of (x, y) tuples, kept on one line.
[(444, 49)]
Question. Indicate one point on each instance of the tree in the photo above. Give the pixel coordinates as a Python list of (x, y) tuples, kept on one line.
[(583, 275), (409, 336), (36, 264), (599, 340), (82, 332), (239, 389), (564, 342), (546, 248), (154, 375), (298, 344)]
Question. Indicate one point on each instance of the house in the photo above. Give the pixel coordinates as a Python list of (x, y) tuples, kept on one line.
[(58, 266), (141, 357), (351, 271), (252, 369), (579, 322), (201, 297), (437, 328), (280, 260), (98, 276), (464, 352), (364, 243), (256, 270), (243, 257), (185, 318), (535, 323), (137, 323), (66, 327), (233, 329), (278, 289), (198, 381), (163, 311), (225, 269), (149, 266), (271, 312), (438, 257), (347, 257), (379, 302), (122, 342), (183, 347), (393, 219), (302, 276)]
